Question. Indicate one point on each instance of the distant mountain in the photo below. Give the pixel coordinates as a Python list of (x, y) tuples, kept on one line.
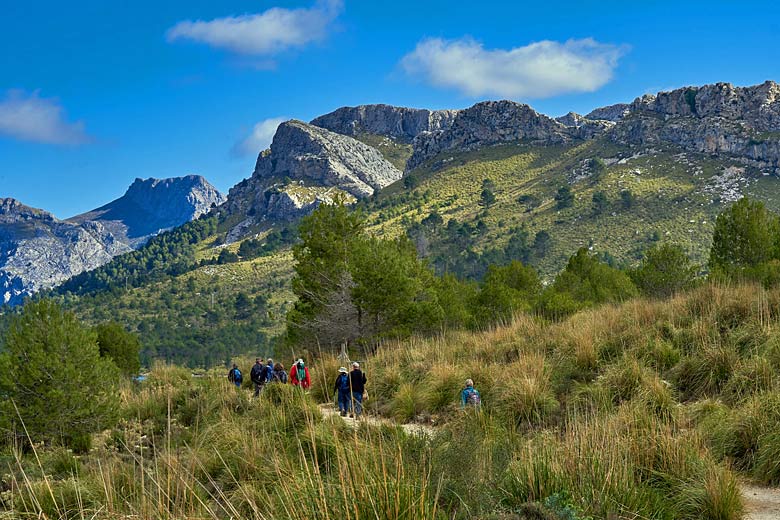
[(38, 251), (396, 122)]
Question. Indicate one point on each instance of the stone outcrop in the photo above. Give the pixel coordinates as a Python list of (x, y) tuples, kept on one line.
[(582, 127), (305, 166), (612, 113), (38, 251), (150, 206), (488, 123), (742, 122), (399, 123)]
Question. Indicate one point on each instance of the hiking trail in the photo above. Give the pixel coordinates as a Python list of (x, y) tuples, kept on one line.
[(761, 503)]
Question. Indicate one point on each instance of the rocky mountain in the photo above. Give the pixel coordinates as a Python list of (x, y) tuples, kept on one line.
[(488, 123), (609, 113), (396, 122), (305, 166), (38, 251), (153, 205), (741, 122)]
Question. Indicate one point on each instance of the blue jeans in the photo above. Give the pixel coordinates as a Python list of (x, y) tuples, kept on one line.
[(343, 400), (357, 398)]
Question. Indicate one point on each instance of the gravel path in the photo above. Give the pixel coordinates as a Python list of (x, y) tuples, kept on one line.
[(761, 503)]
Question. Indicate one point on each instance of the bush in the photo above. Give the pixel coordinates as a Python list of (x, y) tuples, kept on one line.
[(53, 379)]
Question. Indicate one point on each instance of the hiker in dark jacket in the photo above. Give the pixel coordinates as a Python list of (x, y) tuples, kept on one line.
[(235, 377), (342, 390), (357, 381), (280, 374), (256, 376)]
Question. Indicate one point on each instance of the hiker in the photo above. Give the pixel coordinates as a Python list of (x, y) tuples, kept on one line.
[(357, 381), (299, 375), (342, 389), (256, 376), (268, 374), (235, 377), (280, 375), (470, 396)]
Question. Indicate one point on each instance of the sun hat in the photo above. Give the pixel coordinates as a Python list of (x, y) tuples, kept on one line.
[(342, 369)]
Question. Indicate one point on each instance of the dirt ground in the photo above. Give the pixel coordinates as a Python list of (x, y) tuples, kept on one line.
[(761, 503)]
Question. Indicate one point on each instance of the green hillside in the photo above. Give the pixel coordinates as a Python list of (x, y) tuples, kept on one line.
[(200, 315)]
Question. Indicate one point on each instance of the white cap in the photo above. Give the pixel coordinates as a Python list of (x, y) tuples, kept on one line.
[(355, 365)]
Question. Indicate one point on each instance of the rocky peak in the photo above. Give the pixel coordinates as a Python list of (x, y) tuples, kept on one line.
[(11, 210), (488, 123), (307, 165), (397, 122), (609, 113), (758, 106), (151, 205)]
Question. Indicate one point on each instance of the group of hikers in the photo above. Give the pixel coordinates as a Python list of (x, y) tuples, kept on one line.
[(270, 372), (350, 386)]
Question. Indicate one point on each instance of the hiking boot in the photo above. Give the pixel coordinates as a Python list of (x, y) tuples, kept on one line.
[(351, 415), (343, 413)]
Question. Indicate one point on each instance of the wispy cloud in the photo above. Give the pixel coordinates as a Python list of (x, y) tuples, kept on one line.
[(260, 138), (538, 70), (262, 34), (29, 117)]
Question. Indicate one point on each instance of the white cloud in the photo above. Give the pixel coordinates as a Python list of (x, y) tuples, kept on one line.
[(29, 117), (260, 138), (266, 33), (538, 70)]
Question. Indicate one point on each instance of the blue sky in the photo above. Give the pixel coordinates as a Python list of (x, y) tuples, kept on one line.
[(94, 94)]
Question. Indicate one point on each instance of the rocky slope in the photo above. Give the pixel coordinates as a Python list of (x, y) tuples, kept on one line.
[(305, 166), (397, 122), (153, 205), (741, 122), (488, 123), (39, 251)]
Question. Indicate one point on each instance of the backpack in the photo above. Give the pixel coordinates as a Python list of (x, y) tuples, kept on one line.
[(473, 399), (343, 382), (280, 376), (237, 377), (256, 373), (269, 373)]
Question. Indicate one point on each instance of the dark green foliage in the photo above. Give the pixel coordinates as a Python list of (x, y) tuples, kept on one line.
[(505, 291), (542, 243), (597, 167), (585, 281), (411, 182), (600, 202), (120, 346), (665, 270), (168, 254), (226, 257), (53, 380), (564, 198), (745, 238), (487, 198), (627, 199)]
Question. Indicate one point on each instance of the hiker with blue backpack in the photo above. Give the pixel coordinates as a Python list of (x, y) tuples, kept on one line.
[(342, 389), (469, 397), (235, 376)]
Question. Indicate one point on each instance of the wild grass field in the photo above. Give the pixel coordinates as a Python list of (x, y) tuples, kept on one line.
[(648, 409)]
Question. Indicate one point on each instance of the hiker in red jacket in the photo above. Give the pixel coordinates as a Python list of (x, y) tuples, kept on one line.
[(299, 375)]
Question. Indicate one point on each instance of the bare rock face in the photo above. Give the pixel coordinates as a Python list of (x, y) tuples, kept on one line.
[(612, 113), (488, 123), (38, 251), (743, 122), (582, 127), (397, 122), (150, 206), (305, 166)]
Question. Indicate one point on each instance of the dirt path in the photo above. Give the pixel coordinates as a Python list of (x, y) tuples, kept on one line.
[(761, 503), (328, 410)]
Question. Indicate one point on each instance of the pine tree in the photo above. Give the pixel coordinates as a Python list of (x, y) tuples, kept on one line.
[(55, 385)]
